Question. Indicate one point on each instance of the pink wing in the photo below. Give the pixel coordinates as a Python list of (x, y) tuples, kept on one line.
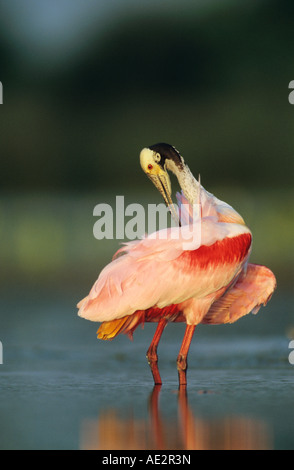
[(160, 272), (253, 288)]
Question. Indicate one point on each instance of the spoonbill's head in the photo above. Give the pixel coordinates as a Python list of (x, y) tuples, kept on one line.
[(155, 161)]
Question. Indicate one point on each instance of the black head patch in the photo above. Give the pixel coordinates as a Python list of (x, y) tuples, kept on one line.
[(167, 152)]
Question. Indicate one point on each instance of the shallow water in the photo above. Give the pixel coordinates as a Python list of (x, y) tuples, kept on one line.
[(61, 388)]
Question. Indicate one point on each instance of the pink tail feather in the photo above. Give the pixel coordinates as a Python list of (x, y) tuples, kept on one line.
[(253, 288)]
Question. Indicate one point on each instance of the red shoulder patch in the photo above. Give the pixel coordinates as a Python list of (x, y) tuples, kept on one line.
[(226, 251)]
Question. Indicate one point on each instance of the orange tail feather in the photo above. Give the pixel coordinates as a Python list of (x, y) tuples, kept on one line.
[(110, 329)]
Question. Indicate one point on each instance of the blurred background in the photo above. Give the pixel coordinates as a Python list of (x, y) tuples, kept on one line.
[(86, 85)]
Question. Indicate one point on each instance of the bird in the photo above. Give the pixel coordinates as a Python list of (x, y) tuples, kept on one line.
[(196, 272)]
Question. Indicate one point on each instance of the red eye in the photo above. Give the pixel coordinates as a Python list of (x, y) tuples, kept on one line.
[(150, 166)]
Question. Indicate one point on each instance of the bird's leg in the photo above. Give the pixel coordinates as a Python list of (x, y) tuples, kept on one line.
[(182, 357), (152, 351)]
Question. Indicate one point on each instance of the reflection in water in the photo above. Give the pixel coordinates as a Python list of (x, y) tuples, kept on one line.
[(111, 432)]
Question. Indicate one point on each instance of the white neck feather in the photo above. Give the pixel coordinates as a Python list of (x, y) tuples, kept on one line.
[(187, 182)]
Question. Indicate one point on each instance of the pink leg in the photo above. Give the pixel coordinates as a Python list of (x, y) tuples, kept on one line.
[(152, 351), (182, 357)]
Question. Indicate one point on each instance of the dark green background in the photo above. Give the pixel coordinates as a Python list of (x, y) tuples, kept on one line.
[(211, 79)]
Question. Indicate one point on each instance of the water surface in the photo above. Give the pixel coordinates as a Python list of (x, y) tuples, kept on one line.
[(61, 388)]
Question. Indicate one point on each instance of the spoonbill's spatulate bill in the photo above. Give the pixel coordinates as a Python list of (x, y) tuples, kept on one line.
[(180, 277)]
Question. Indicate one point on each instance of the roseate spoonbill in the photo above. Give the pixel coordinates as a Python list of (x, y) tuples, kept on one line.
[(159, 279)]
